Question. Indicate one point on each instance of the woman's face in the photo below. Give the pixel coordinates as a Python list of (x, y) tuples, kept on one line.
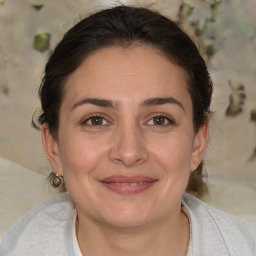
[(126, 143)]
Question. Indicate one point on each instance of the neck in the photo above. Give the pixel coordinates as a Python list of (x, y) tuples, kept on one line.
[(166, 237)]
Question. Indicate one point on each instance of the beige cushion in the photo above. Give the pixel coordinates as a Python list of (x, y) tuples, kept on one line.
[(20, 191), (232, 197)]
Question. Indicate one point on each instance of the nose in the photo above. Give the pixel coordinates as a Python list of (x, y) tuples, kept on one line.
[(128, 147)]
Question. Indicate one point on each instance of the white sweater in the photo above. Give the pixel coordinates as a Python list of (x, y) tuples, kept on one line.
[(47, 231)]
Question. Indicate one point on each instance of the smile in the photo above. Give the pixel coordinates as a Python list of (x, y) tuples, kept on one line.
[(128, 185)]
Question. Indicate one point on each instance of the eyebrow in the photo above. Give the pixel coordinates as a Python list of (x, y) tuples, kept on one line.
[(95, 101), (110, 104), (162, 101)]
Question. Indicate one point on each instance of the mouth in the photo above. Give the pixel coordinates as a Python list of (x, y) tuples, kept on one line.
[(128, 185)]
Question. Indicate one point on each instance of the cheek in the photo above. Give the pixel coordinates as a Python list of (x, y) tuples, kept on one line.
[(81, 155), (174, 152)]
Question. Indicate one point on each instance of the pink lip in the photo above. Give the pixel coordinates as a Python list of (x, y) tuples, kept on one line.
[(128, 185)]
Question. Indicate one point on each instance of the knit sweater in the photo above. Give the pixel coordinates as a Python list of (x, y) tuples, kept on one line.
[(47, 230)]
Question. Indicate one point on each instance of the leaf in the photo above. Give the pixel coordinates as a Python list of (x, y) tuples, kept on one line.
[(37, 7), (215, 8), (42, 41), (185, 11), (253, 156), (236, 99), (4, 88), (210, 50), (200, 27), (253, 115)]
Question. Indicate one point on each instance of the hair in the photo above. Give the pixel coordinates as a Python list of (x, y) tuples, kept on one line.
[(124, 26)]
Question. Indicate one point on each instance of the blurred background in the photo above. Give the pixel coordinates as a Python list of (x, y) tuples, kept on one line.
[(225, 32)]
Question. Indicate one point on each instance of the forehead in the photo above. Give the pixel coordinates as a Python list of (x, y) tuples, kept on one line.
[(127, 74)]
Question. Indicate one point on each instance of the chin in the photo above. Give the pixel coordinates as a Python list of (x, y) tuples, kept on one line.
[(127, 217), (125, 222)]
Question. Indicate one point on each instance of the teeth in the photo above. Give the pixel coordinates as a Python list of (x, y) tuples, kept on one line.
[(133, 184), (122, 184)]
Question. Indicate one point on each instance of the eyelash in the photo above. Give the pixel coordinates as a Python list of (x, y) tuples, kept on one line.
[(90, 118), (164, 118), (104, 121)]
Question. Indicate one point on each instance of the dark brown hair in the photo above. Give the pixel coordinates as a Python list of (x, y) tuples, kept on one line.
[(125, 26)]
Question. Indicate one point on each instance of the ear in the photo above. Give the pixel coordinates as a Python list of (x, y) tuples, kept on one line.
[(199, 146), (51, 148)]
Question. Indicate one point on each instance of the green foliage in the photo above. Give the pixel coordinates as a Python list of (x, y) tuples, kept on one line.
[(37, 7), (236, 99), (4, 88), (185, 11), (253, 115), (42, 41)]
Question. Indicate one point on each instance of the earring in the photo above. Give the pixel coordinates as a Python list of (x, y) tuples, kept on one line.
[(56, 181)]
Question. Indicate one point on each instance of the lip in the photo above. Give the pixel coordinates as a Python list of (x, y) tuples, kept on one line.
[(127, 185)]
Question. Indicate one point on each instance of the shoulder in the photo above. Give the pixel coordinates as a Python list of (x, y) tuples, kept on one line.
[(218, 231), (39, 227)]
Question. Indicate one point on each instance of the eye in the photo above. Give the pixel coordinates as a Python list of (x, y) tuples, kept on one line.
[(160, 120), (95, 121)]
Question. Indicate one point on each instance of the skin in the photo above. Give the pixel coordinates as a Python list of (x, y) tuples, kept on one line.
[(127, 138)]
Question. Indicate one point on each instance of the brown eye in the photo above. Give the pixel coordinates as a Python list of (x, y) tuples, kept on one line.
[(95, 120), (160, 120)]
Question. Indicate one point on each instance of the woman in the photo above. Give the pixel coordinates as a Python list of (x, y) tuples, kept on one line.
[(125, 119)]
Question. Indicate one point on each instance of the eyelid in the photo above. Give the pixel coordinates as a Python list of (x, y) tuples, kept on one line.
[(169, 118), (85, 119)]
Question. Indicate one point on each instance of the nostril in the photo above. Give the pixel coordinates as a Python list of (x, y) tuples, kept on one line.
[(129, 160), (128, 148)]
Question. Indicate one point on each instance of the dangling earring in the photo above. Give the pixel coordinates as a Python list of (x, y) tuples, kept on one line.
[(56, 181)]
